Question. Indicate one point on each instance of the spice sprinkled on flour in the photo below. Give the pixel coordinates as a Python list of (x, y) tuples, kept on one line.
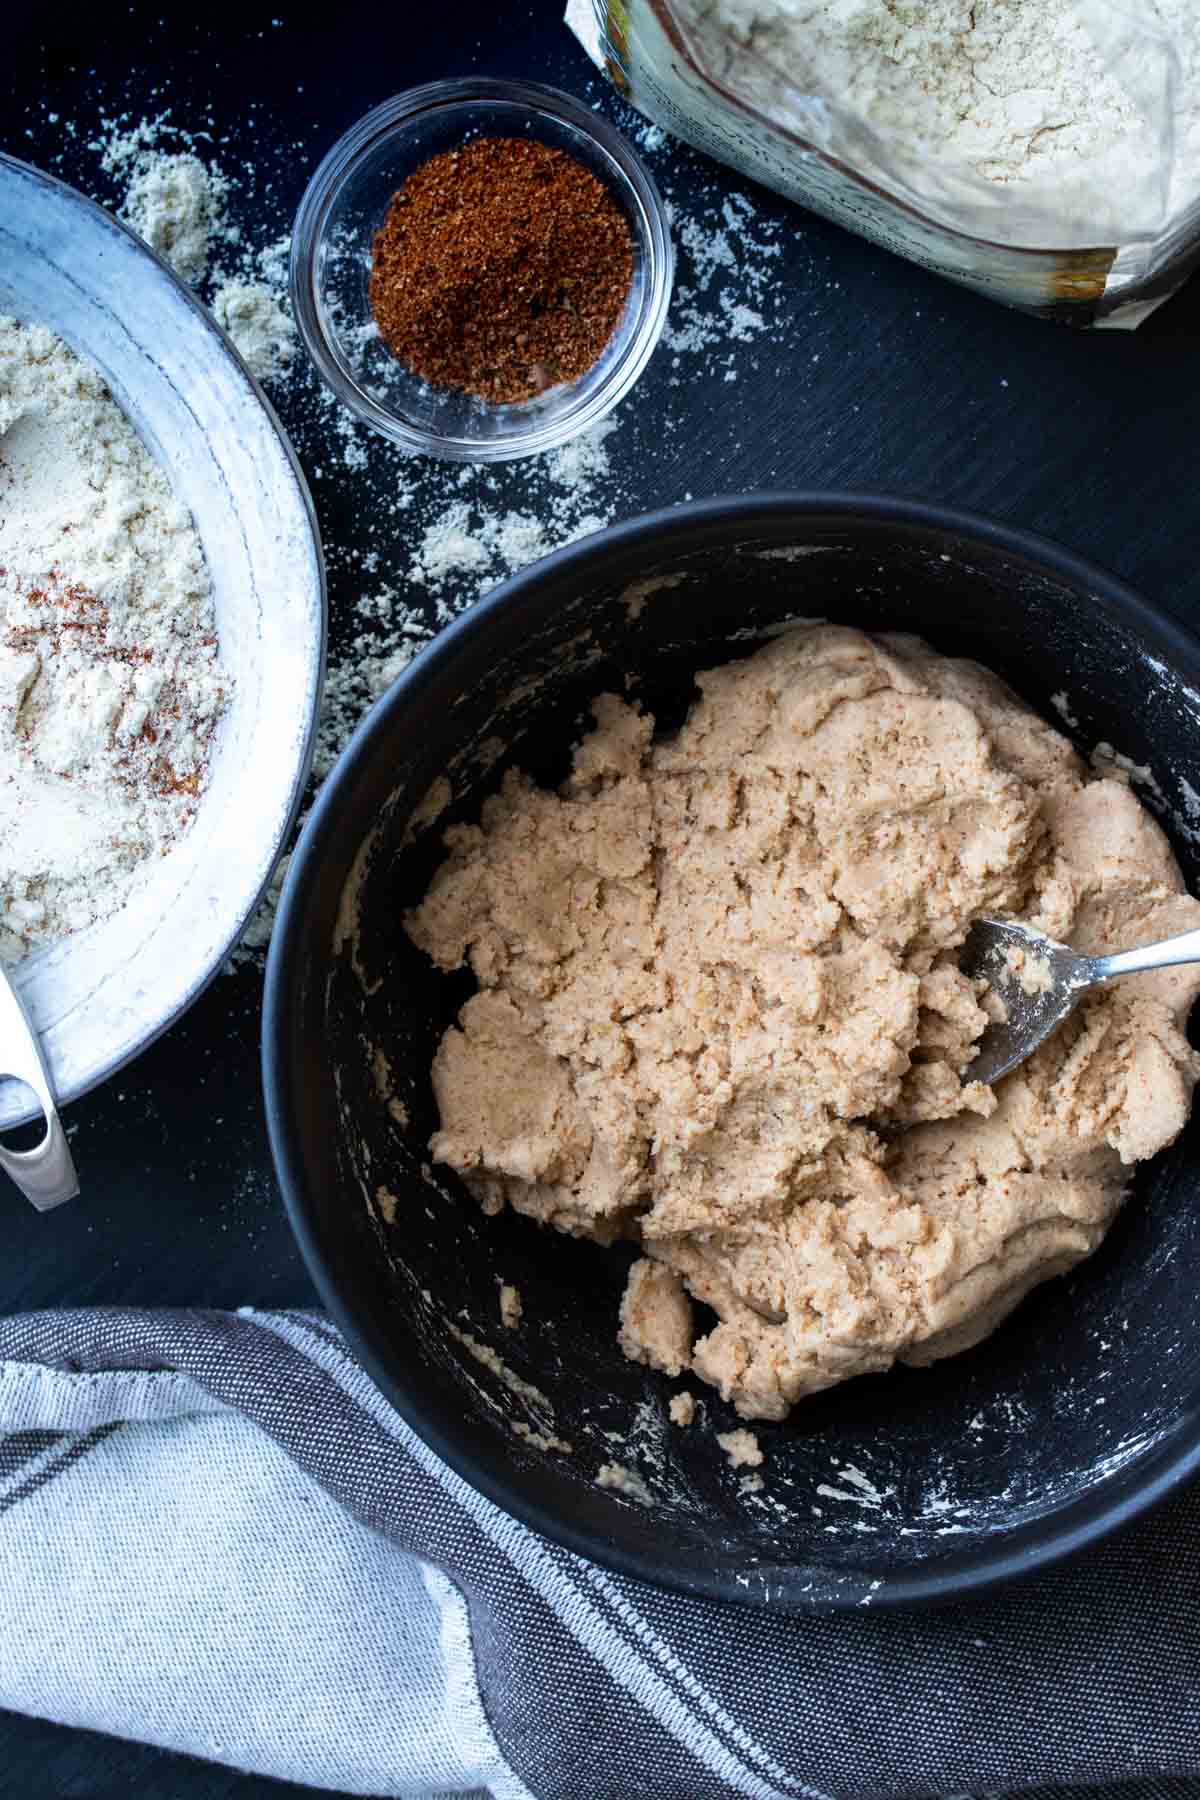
[(501, 268), (110, 683)]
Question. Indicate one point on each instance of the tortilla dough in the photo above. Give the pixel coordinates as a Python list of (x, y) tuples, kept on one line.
[(719, 1011)]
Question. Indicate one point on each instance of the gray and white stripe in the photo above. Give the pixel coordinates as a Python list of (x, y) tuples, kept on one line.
[(327, 1599)]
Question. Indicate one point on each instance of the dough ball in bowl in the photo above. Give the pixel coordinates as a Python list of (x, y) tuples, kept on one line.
[(916, 1483)]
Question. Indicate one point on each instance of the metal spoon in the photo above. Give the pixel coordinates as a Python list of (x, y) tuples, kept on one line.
[(46, 1174), (1046, 986)]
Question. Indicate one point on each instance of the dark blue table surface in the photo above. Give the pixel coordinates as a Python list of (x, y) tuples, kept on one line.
[(876, 375)]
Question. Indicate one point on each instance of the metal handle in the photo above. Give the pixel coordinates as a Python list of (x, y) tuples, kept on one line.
[(46, 1174), (1184, 949)]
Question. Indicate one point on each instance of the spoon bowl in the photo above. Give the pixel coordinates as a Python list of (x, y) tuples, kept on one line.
[(1040, 983)]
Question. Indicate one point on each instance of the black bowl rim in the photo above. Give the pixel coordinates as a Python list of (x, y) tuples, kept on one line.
[(1144, 1484)]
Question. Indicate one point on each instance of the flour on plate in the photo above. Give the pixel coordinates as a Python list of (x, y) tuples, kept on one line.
[(110, 681)]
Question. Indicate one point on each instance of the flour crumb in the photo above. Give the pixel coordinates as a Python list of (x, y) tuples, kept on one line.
[(1030, 969), (741, 1447), (1115, 766), (511, 1306), (682, 1408), (656, 1318), (542, 1440), (386, 1202), (624, 1481), (1061, 702)]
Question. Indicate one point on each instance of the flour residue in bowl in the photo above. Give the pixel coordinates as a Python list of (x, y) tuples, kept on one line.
[(110, 679), (539, 1433)]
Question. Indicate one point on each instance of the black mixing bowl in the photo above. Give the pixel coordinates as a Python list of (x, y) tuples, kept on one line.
[(921, 1484)]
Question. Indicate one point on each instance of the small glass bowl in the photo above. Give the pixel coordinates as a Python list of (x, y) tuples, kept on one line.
[(343, 207)]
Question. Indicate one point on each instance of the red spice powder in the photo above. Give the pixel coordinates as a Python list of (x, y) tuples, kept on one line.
[(501, 268)]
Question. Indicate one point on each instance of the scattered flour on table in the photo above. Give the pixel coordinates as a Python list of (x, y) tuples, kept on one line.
[(465, 528), (728, 253), (176, 204), (467, 545), (252, 303), (110, 681), (177, 201), (258, 322)]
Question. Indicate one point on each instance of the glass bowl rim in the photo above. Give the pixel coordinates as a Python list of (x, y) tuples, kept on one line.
[(626, 171)]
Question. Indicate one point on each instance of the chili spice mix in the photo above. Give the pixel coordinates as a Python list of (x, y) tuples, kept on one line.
[(501, 269)]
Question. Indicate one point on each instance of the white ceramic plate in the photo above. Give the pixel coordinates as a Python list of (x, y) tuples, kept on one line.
[(99, 997)]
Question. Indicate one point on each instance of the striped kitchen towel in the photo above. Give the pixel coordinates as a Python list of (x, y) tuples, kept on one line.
[(215, 1535)]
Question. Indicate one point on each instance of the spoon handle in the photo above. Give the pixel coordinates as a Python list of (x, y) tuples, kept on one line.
[(46, 1174), (1183, 949)]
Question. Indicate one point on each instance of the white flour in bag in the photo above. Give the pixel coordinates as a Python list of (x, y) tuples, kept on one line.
[(1017, 89), (110, 682)]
